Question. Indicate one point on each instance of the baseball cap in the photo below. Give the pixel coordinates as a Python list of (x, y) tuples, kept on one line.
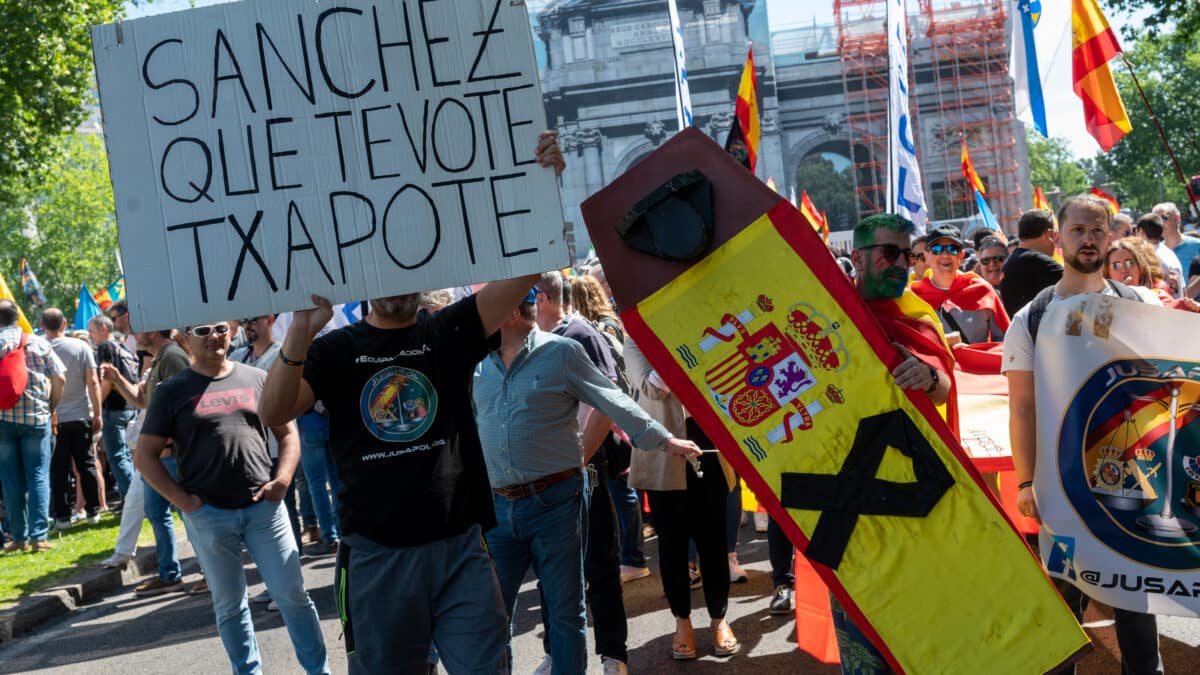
[(531, 296), (944, 231)]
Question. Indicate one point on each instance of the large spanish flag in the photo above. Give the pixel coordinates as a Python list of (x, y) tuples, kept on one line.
[(772, 350), (968, 170), (744, 134), (1094, 44)]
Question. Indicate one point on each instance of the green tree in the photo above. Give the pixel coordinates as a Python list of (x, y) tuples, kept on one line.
[(1169, 71), (65, 226), (45, 80), (829, 189), (1184, 15), (1053, 165)]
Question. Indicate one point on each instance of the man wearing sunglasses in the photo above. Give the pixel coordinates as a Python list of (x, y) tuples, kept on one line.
[(991, 256), (881, 258), (229, 495), (411, 567), (965, 303)]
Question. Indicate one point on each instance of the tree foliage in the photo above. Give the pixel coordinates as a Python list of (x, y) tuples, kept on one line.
[(45, 79), (1053, 165), (65, 226), (1169, 71), (1184, 15), (829, 189)]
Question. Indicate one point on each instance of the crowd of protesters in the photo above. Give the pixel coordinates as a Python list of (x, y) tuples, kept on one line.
[(458, 440)]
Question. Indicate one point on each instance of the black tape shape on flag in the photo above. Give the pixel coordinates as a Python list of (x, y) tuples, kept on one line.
[(674, 222), (855, 491)]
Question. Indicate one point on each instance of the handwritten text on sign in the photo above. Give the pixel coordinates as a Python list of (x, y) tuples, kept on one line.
[(261, 152)]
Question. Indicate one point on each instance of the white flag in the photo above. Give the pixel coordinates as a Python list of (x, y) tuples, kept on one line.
[(906, 197), (683, 97)]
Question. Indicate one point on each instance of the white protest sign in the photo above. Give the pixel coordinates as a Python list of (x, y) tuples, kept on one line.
[(261, 152)]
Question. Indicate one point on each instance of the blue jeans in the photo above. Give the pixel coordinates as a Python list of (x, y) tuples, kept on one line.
[(158, 512), (629, 520), (25, 474), (546, 531), (116, 422), (319, 470), (217, 535)]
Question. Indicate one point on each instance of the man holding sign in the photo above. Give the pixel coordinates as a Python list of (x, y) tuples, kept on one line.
[(411, 568)]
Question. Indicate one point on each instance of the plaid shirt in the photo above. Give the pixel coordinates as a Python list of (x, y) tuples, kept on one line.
[(33, 408)]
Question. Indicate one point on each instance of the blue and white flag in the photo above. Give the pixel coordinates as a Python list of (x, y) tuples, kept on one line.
[(683, 97), (906, 197), (989, 218), (1039, 28)]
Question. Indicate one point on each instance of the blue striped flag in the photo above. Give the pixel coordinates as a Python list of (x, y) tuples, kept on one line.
[(1026, 70), (989, 218), (683, 97)]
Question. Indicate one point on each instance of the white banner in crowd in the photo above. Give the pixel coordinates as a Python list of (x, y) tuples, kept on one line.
[(1118, 478), (904, 180), (261, 152)]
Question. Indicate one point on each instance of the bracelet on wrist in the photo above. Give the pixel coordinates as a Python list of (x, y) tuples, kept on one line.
[(287, 361), (1024, 484), (933, 374)]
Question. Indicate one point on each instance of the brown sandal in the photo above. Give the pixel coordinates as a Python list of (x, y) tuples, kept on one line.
[(684, 650), (725, 643)]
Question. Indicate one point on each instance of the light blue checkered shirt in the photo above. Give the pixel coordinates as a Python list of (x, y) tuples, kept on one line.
[(528, 416), (33, 408)]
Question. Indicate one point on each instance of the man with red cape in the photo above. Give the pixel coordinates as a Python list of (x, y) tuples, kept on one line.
[(965, 303)]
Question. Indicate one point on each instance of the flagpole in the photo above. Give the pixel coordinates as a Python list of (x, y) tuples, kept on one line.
[(1162, 135)]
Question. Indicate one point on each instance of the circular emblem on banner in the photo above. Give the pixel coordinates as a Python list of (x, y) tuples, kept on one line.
[(1127, 454), (398, 405)]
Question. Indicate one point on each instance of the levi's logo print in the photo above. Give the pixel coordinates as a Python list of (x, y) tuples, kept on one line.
[(398, 405), (212, 403)]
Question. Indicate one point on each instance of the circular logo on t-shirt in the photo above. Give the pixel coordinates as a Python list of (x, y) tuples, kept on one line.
[(1127, 455), (398, 404)]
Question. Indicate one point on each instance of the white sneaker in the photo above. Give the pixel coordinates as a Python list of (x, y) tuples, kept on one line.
[(737, 575), (116, 561), (614, 667), (545, 668), (632, 573), (760, 521), (62, 524), (94, 519)]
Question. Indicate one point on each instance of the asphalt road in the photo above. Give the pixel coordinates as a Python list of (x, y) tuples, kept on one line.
[(176, 634)]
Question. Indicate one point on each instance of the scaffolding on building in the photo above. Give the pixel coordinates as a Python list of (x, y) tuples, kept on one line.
[(959, 74)]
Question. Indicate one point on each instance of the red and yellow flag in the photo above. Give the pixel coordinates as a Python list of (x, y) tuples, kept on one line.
[(1039, 200), (1114, 207), (1094, 44), (817, 218), (6, 294), (103, 299), (968, 170), (744, 136)]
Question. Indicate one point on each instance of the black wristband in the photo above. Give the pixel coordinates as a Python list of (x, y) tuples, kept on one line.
[(287, 361), (932, 385), (1026, 484)]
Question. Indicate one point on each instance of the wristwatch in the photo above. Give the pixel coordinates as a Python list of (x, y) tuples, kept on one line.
[(933, 385)]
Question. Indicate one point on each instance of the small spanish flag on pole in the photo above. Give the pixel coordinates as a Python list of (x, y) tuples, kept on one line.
[(1039, 200), (6, 294), (968, 170), (743, 138), (809, 211), (1114, 207), (1094, 44)]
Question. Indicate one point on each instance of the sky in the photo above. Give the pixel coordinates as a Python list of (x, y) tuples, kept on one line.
[(784, 13)]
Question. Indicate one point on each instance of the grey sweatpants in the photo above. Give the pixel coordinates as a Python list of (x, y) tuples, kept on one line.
[(395, 602)]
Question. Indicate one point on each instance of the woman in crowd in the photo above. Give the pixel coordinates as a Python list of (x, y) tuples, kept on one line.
[(688, 501), (1133, 262)]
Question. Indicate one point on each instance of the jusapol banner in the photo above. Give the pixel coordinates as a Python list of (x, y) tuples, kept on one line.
[(1118, 473), (261, 152)]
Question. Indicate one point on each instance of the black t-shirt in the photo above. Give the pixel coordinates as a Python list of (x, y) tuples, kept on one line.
[(1026, 273), (1194, 268), (110, 352), (220, 444), (402, 427)]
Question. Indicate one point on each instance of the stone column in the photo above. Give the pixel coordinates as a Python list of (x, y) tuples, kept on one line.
[(593, 169), (573, 187), (770, 154)]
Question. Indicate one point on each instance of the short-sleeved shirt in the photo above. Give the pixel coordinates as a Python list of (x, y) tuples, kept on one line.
[(110, 352), (170, 360), (42, 364), (1026, 273), (220, 444), (1188, 251), (401, 427), (1018, 343), (78, 360)]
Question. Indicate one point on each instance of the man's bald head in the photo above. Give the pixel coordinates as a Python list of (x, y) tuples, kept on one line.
[(53, 321)]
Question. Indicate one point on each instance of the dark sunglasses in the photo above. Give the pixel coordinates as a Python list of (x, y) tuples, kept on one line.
[(948, 249), (993, 259), (205, 331), (892, 253), (244, 322)]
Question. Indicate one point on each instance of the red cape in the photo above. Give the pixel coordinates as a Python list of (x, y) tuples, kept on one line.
[(920, 337), (969, 292)]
